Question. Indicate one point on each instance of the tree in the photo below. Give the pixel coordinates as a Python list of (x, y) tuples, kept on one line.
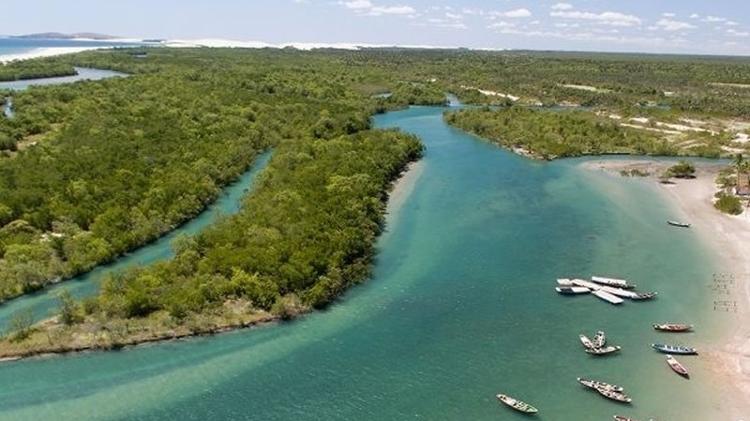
[(70, 310), (20, 325), (682, 169)]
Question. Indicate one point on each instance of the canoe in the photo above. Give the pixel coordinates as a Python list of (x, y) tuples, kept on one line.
[(586, 284), (594, 384), (600, 339), (619, 292), (641, 296), (587, 343), (615, 396), (572, 290), (516, 404), (608, 297), (679, 224), (673, 327), (677, 367), (613, 282), (674, 349), (565, 282), (603, 351), (621, 418)]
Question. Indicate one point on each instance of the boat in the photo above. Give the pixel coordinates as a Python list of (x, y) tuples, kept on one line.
[(615, 396), (679, 224), (621, 418), (642, 296), (673, 327), (565, 282), (593, 384), (677, 367), (613, 282), (603, 351), (674, 349), (612, 299), (619, 292), (516, 404), (586, 284), (572, 290), (600, 339), (587, 343)]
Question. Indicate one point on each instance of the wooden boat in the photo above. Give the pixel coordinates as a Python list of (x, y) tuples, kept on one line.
[(586, 284), (613, 282), (572, 290), (619, 292), (600, 339), (621, 418), (516, 404), (593, 384), (677, 367), (673, 327), (678, 224), (603, 351), (674, 349), (615, 396), (565, 282), (608, 297), (587, 343), (642, 296)]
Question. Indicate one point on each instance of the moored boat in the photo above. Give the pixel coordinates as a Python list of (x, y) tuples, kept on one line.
[(594, 384), (677, 367), (619, 292), (604, 295), (516, 404), (613, 282), (615, 396), (672, 327), (674, 349), (641, 296), (587, 343), (621, 418), (586, 284), (603, 350), (600, 339), (679, 224), (565, 282), (572, 290)]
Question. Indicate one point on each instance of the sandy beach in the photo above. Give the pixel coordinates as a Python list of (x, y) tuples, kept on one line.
[(44, 52), (729, 237)]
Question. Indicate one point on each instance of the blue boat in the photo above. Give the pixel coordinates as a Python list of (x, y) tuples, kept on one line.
[(673, 349)]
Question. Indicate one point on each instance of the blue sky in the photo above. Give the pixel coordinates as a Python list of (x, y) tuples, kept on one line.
[(676, 26)]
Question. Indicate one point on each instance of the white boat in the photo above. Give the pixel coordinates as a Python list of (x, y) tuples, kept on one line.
[(620, 292), (565, 282), (613, 282), (587, 343), (572, 290), (600, 339), (604, 351), (586, 284), (612, 299)]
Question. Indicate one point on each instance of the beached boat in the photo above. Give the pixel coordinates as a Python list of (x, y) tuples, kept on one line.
[(679, 224), (603, 350), (677, 367), (613, 282), (516, 404), (612, 299), (594, 384), (673, 327), (572, 290), (587, 343), (642, 296), (615, 396), (674, 349), (600, 339)]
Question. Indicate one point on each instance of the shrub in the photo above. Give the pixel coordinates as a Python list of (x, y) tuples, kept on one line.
[(728, 204)]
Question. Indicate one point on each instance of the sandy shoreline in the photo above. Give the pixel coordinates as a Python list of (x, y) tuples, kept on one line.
[(44, 52), (729, 238)]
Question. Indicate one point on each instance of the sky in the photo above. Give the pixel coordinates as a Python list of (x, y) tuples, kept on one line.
[(654, 26)]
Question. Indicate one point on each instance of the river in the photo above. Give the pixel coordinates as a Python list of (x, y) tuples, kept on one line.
[(460, 307)]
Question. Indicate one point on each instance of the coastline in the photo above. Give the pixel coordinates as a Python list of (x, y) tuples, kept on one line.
[(232, 316), (43, 52), (729, 239)]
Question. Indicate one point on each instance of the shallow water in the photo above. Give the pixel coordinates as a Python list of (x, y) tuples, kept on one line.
[(461, 307), (84, 73)]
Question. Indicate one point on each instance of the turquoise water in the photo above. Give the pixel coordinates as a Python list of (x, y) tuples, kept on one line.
[(461, 307), (44, 303)]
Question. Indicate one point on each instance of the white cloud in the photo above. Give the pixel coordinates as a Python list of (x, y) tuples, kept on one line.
[(605, 18), (356, 4), (668, 15), (501, 24), (562, 6), (695, 16), (366, 7), (714, 19), (517, 13), (731, 23), (736, 33), (673, 25), (450, 15)]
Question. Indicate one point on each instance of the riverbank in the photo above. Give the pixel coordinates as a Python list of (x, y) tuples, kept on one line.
[(52, 337), (729, 238)]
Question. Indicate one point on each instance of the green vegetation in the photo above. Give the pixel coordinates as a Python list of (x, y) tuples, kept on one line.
[(34, 69), (550, 135), (728, 203), (682, 169)]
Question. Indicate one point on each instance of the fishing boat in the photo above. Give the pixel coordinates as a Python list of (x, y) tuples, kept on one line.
[(604, 295), (674, 349), (621, 418), (587, 343), (565, 282), (673, 327), (572, 290), (593, 384), (586, 284), (642, 296), (679, 224), (615, 396), (516, 404), (600, 339), (619, 292), (677, 367), (613, 282), (603, 350)]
